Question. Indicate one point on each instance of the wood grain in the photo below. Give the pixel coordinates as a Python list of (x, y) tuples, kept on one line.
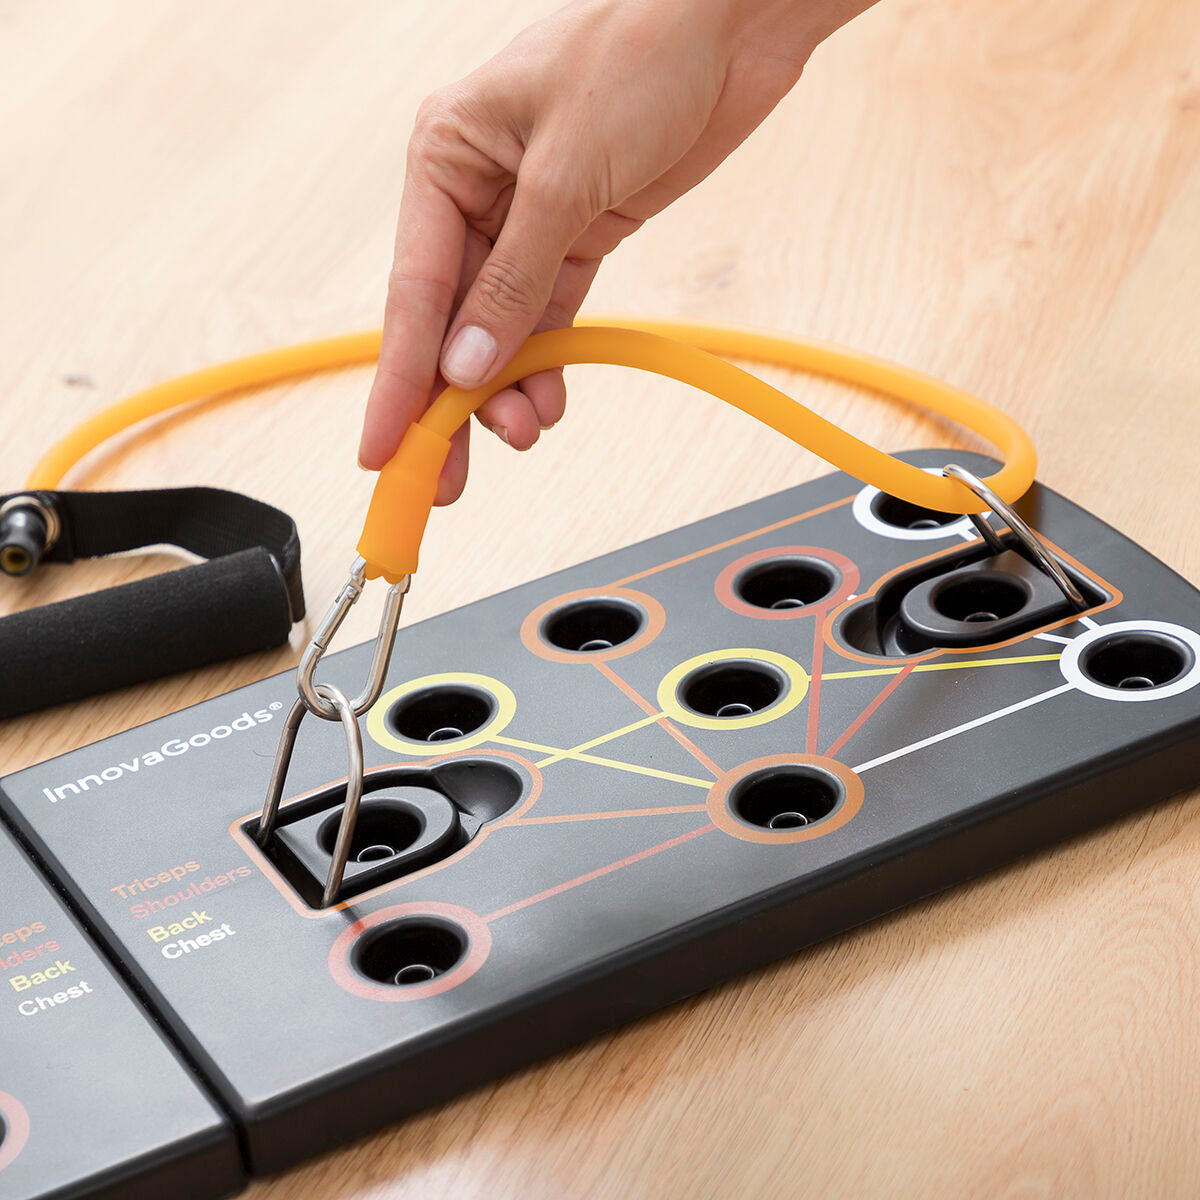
[(1006, 194)]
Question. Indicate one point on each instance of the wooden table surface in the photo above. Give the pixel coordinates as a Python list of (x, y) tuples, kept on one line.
[(1004, 193)]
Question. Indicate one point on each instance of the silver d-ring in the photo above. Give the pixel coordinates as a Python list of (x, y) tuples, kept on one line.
[(354, 784), (354, 791), (1031, 545)]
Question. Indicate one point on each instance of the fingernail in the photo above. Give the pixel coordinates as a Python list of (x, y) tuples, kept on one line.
[(550, 426), (469, 357), (502, 433)]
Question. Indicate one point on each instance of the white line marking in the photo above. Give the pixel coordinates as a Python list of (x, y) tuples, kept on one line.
[(1088, 622), (1053, 637), (969, 534), (949, 733)]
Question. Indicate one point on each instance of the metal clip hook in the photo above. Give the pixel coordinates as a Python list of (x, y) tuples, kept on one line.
[(385, 639), (1030, 544)]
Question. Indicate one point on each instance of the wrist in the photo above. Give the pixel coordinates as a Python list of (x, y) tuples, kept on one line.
[(788, 29)]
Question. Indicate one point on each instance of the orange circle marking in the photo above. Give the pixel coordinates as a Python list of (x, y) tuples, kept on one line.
[(479, 944), (732, 601), (656, 618), (16, 1119), (724, 819)]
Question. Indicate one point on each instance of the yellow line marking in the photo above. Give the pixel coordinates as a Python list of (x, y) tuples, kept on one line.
[(600, 816), (604, 737), (579, 756), (670, 776), (945, 666), (578, 753), (520, 745)]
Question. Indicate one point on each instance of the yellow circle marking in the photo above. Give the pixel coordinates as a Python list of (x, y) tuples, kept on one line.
[(797, 689), (377, 726)]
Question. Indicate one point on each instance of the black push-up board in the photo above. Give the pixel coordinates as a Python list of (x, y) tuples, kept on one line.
[(93, 1100), (603, 790)]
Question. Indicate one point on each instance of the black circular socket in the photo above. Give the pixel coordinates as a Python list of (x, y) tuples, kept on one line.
[(409, 951), (1136, 661), (586, 626), (790, 581), (381, 831), (980, 597), (731, 689), (441, 714), (786, 797), (891, 510)]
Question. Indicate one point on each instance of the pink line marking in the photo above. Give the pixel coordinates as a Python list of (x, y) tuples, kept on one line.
[(870, 710), (596, 874)]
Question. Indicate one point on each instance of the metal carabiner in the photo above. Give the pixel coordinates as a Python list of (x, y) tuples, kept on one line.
[(385, 640), (1030, 544), (354, 784)]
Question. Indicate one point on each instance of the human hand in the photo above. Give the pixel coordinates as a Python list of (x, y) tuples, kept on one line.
[(525, 174)]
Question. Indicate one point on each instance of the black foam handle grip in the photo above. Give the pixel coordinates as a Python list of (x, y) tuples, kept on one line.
[(190, 617)]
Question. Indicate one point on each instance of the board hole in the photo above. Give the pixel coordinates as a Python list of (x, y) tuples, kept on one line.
[(731, 689), (980, 598), (891, 510), (786, 798), (381, 831), (409, 951), (374, 853), (1136, 661), (785, 582), (417, 973), (593, 625), (441, 714), (787, 820)]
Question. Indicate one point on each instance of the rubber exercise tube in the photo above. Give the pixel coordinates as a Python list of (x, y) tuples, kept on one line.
[(690, 353)]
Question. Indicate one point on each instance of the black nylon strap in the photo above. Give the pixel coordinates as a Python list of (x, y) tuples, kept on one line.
[(209, 522), (244, 599)]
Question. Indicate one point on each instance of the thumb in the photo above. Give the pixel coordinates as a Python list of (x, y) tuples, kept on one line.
[(509, 295)]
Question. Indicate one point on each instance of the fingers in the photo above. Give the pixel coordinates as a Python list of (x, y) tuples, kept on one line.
[(518, 415), (513, 287), (547, 392), (421, 291), (454, 473), (511, 417), (543, 395)]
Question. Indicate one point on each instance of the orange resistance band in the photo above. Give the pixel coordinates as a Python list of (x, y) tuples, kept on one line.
[(406, 487), (691, 353)]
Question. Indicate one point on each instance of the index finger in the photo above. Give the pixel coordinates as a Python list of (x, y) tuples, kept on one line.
[(422, 287)]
